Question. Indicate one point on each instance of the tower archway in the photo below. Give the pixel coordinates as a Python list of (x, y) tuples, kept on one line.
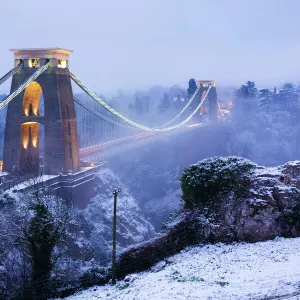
[(31, 99), (29, 158)]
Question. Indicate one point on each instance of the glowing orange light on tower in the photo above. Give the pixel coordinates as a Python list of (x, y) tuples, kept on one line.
[(30, 134), (34, 142), (31, 99)]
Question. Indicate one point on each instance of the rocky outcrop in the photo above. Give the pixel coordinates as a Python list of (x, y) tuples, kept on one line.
[(270, 208)]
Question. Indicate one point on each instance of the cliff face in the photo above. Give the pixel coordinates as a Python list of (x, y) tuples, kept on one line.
[(269, 207), (273, 206), (132, 226)]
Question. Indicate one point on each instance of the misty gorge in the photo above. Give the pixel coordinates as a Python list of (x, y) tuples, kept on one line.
[(259, 125), (149, 150)]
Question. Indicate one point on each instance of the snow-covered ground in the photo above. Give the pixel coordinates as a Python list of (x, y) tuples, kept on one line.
[(265, 270)]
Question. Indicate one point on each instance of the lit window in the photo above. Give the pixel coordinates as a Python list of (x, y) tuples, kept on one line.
[(62, 63), (34, 63)]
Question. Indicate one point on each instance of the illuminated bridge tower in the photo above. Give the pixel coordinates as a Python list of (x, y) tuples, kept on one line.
[(26, 113), (212, 107)]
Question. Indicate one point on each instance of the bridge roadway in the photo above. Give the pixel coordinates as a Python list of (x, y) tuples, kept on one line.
[(95, 157), (98, 153), (79, 185)]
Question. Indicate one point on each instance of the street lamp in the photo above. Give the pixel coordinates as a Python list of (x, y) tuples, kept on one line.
[(113, 265)]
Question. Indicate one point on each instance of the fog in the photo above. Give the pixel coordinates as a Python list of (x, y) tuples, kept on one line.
[(139, 57), (137, 44), (263, 126)]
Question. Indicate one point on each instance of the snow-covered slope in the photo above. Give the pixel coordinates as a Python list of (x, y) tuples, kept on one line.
[(132, 226), (236, 271), (87, 244)]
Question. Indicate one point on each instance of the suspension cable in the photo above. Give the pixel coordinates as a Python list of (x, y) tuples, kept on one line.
[(183, 110), (113, 141), (221, 113), (21, 87), (190, 116), (11, 73), (110, 109), (106, 106), (99, 115)]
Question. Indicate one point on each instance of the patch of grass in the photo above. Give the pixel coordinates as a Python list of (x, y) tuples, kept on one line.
[(222, 283), (176, 276), (122, 286)]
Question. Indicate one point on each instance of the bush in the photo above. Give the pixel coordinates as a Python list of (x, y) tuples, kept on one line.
[(204, 183), (95, 276)]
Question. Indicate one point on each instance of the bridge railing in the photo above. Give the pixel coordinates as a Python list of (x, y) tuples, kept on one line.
[(60, 181)]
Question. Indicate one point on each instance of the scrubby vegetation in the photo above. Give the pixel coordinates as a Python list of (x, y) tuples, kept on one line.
[(206, 183), (225, 200)]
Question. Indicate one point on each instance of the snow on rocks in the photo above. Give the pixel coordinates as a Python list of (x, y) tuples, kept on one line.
[(269, 208), (219, 271)]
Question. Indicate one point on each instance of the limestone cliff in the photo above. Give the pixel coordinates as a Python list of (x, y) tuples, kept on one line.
[(239, 201)]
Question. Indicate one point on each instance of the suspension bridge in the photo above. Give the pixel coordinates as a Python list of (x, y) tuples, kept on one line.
[(77, 133)]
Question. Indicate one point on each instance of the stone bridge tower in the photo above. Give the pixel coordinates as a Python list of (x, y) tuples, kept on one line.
[(26, 113), (212, 107)]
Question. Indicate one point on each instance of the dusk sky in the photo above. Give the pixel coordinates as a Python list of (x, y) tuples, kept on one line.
[(136, 44)]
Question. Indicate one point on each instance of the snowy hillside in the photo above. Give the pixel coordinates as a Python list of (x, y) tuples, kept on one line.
[(236, 271), (87, 242), (132, 226)]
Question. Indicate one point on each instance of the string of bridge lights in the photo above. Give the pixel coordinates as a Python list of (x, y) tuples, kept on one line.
[(130, 137), (11, 73), (101, 102), (191, 115), (221, 113), (21, 87), (122, 117), (99, 115), (105, 105), (183, 109), (111, 142)]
